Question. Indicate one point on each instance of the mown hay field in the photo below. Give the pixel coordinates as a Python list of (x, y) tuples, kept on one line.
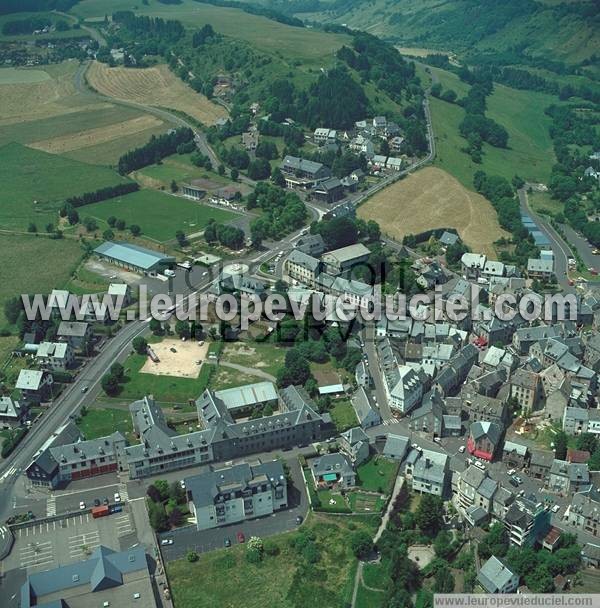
[(156, 86), (432, 198)]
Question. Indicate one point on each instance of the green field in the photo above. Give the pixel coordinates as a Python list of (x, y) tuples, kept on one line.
[(99, 422), (262, 356), (377, 475), (542, 202), (521, 113), (35, 185), (158, 214), (283, 580), (15, 76), (167, 389), (35, 265), (309, 46), (178, 167)]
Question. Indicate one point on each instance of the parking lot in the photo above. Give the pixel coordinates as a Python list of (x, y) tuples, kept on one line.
[(64, 541)]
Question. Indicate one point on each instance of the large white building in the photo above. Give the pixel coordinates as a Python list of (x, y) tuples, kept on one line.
[(224, 496)]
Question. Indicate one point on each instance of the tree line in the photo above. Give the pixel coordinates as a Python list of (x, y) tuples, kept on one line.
[(155, 150), (25, 26), (167, 30), (102, 194)]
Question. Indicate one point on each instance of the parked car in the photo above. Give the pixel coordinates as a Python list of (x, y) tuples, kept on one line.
[(512, 482), (96, 502), (511, 471), (81, 505), (555, 508), (298, 519), (240, 537), (84, 389), (461, 449), (518, 479), (480, 465), (166, 541), (182, 484), (227, 542), (105, 501), (117, 497)]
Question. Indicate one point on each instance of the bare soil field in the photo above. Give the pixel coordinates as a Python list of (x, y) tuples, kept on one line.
[(100, 135), (156, 86), (181, 363), (432, 198)]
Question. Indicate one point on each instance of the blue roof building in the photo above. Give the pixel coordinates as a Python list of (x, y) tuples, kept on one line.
[(133, 257)]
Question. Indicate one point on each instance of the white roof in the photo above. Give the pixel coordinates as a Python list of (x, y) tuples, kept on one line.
[(58, 350), (473, 260), (29, 379), (535, 265)]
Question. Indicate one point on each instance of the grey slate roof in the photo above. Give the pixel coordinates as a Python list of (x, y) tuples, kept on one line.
[(494, 575), (204, 488), (104, 569)]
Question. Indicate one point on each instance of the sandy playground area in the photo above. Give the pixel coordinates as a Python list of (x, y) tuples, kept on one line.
[(182, 363)]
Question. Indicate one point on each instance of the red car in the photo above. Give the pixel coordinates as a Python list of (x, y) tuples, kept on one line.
[(241, 538)]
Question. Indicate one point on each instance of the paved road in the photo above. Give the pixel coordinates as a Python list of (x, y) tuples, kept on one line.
[(562, 252)]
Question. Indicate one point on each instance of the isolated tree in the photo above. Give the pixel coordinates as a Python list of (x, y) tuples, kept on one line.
[(153, 493), (560, 445), (157, 516), (135, 230), (175, 517), (428, 516), (140, 345), (163, 487), (32, 227), (108, 235), (111, 221), (174, 186), (182, 329), (118, 371), (110, 385), (192, 556), (50, 227), (156, 327), (120, 225), (361, 543), (234, 174), (73, 217)]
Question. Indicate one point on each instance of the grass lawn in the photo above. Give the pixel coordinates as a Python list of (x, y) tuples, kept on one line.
[(99, 422), (36, 183), (365, 598), (542, 202), (159, 215), (35, 265), (282, 580), (343, 415), (179, 168), (169, 389), (377, 474), (225, 377), (265, 357), (338, 506), (7, 344), (87, 281)]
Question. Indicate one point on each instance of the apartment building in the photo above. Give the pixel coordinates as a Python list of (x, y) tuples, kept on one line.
[(227, 495)]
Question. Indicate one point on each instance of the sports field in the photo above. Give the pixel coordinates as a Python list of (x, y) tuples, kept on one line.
[(432, 198), (36, 183), (158, 214), (35, 265), (156, 86)]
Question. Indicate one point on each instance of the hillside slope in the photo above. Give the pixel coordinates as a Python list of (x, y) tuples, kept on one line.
[(567, 32)]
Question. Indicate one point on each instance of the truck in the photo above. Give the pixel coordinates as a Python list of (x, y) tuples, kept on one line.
[(101, 511)]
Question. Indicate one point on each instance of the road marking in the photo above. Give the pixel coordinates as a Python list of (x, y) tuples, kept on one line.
[(51, 506)]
